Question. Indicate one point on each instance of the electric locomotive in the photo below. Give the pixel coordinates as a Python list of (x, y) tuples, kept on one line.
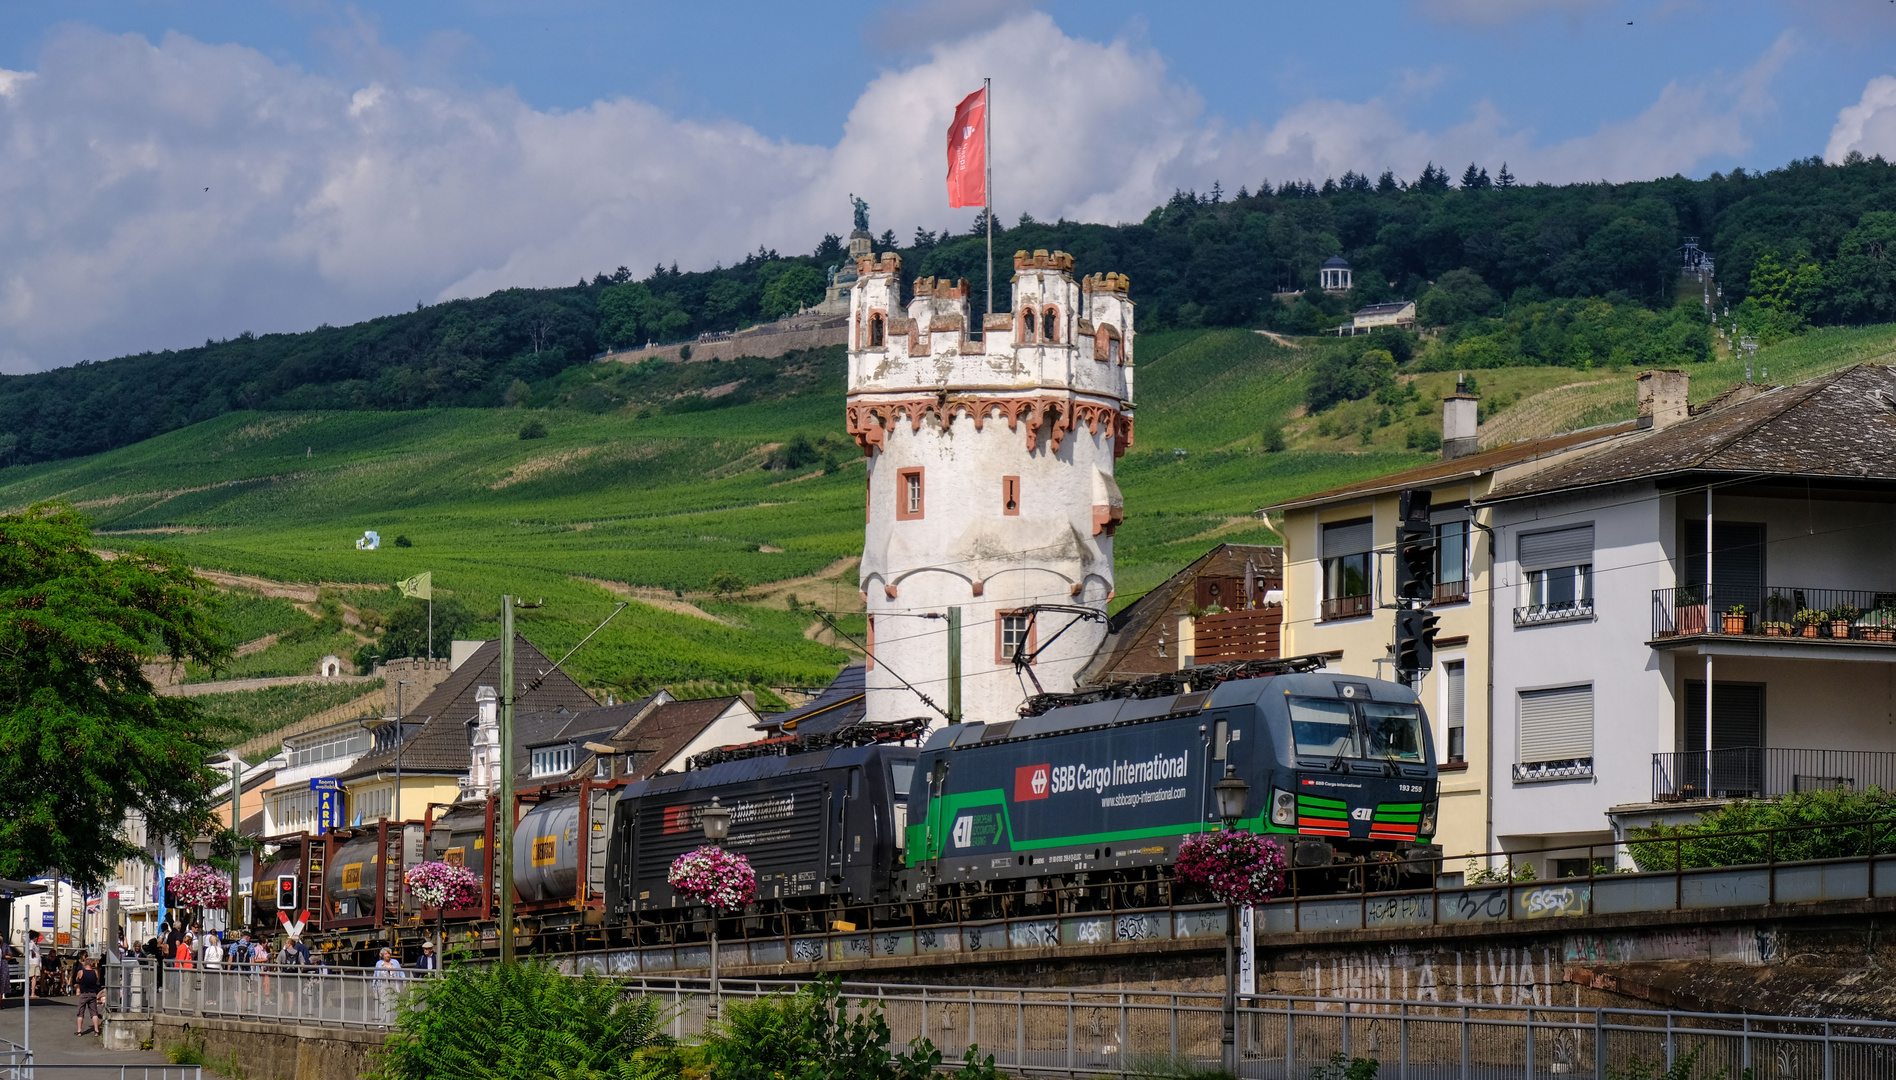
[(822, 828), (1342, 768)]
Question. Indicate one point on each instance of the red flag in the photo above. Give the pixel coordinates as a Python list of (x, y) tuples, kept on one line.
[(967, 152)]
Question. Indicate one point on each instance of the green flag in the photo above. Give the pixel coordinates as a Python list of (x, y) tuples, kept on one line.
[(421, 586)]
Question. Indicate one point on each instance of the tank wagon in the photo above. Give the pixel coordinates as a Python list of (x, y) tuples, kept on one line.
[(1342, 768)]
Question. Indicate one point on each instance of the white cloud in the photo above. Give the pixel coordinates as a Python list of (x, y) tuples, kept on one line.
[(157, 194), (1869, 126)]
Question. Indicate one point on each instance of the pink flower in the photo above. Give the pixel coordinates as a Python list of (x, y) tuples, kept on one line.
[(1237, 867), (443, 885), (713, 876)]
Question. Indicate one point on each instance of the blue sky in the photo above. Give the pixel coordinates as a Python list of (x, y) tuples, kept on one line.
[(183, 170)]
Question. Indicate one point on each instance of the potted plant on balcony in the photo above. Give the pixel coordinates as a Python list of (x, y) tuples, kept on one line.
[(1734, 619), (1689, 610), (1878, 625), (1807, 620), (1841, 617), (1778, 629)]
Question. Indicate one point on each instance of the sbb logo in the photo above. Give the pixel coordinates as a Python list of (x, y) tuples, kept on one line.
[(1033, 782)]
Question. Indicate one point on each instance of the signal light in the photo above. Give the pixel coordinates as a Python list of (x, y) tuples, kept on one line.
[(1415, 641), (286, 892)]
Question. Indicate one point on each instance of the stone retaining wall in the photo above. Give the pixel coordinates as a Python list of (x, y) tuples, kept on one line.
[(275, 1051)]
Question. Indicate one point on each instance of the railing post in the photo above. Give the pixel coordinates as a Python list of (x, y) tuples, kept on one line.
[(1020, 1028), (1599, 1044), (1402, 1042), (1467, 1054), (1070, 1033), (1530, 1041)]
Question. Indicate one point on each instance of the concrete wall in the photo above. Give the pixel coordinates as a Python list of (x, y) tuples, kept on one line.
[(762, 345), (272, 1051)]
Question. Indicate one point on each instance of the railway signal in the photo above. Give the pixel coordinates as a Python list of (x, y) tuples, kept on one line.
[(1415, 587)]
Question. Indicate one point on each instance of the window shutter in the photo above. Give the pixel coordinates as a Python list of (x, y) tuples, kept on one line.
[(1556, 725), (1457, 694), (1347, 538), (1557, 547)]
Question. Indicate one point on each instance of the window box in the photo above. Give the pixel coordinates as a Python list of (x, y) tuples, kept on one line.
[(1534, 772), (1543, 614)]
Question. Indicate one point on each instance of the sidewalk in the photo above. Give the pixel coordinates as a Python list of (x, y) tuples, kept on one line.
[(55, 1044)]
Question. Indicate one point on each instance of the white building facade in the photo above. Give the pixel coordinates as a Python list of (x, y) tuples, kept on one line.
[(990, 477)]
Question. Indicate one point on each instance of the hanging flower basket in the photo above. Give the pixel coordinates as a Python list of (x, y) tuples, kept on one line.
[(443, 885), (711, 875), (1237, 867), (199, 887)]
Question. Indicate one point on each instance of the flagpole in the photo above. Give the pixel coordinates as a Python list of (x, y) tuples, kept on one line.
[(987, 161)]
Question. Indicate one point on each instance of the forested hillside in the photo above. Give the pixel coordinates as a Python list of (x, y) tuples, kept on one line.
[(1569, 275)]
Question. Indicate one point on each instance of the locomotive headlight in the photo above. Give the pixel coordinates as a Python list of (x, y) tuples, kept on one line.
[(1428, 819), (1284, 807)]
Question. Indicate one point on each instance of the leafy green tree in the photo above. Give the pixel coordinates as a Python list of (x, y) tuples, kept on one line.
[(1825, 824), (726, 582), (1862, 278), (405, 631), (1456, 296), (1796, 289), (1343, 375), (619, 308), (84, 737), (793, 290), (525, 1022), (518, 393)]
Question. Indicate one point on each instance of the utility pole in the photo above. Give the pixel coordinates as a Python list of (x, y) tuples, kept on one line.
[(505, 809), (236, 820), (954, 665), (987, 187)]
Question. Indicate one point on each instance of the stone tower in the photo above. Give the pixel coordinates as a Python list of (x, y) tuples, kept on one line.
[(990, 466)]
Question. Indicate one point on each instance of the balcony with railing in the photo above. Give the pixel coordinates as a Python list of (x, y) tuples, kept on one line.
[(1246, 634), (1561, 611), (1345, 607), (1760, 772), (1451, 592), (1859, 616)]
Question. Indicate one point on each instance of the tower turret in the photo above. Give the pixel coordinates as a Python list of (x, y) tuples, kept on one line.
[(990, 465)]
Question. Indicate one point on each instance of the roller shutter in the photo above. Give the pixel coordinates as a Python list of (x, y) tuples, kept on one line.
[(1348, 538), (1556, 725), (1557, 547)]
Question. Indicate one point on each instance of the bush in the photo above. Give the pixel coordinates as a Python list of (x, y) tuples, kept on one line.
[(1831, 828), (403, 541), (1422, 437), (524, 1021), (1341, 375), (1347, 1068), (533, 429), (1273, 439), (810, 1035)]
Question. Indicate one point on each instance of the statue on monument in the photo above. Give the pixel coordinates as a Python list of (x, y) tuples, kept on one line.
[(862, 213)]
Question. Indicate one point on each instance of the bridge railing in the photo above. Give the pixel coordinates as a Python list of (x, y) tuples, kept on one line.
[(335, 998), (1080, 1033)]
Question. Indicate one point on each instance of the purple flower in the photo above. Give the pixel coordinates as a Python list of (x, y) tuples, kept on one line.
[(1237, 867), (713, 876)]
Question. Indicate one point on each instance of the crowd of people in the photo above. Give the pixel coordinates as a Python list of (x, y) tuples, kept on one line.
[(183, 950)]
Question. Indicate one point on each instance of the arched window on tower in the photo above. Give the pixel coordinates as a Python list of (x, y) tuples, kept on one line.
[(1027, 325), (1050, 326), (877, 330), (1106, 345)]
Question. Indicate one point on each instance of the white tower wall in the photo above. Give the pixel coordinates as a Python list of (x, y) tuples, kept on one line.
[(1021, 415)]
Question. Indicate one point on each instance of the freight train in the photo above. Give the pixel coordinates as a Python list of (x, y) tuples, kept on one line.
[(981, 820)]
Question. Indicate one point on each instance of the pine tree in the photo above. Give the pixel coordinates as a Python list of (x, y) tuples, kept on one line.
[(1387, 182), (1470, 179), (1504, 178), (1217, 193), (887, 239)]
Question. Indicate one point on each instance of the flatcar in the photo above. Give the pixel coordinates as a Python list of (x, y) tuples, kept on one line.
[(1342, 768)]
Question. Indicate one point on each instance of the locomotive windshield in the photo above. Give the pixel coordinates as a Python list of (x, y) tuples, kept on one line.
[(1378, 730), (1323, 727), (1392, 732), (902, 773)]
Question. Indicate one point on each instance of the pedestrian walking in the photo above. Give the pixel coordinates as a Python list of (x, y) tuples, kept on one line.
[(213, 959), (32, 972), (88, 984), (429, 961)]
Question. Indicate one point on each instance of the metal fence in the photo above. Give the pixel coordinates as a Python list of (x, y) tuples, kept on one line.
[(348, 998), (101, 1072), (1091, 1034), (1775, 611), (1762, 771)]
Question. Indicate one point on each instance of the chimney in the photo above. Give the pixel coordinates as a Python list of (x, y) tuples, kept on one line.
[(1661, 397), (1458, 422)]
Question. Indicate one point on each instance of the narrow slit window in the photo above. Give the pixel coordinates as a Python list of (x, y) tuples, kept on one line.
[(1010, 496), (877, 330), (1027, 325), (1050, 326)]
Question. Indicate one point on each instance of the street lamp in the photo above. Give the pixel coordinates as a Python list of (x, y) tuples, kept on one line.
[(1231, 794), (717, 825), (201, 847)]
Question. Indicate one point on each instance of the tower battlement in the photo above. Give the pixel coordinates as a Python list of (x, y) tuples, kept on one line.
[(990, 473)]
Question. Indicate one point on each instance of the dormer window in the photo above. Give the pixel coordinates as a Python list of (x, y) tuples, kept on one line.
[(602, 767), (553, 760)]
